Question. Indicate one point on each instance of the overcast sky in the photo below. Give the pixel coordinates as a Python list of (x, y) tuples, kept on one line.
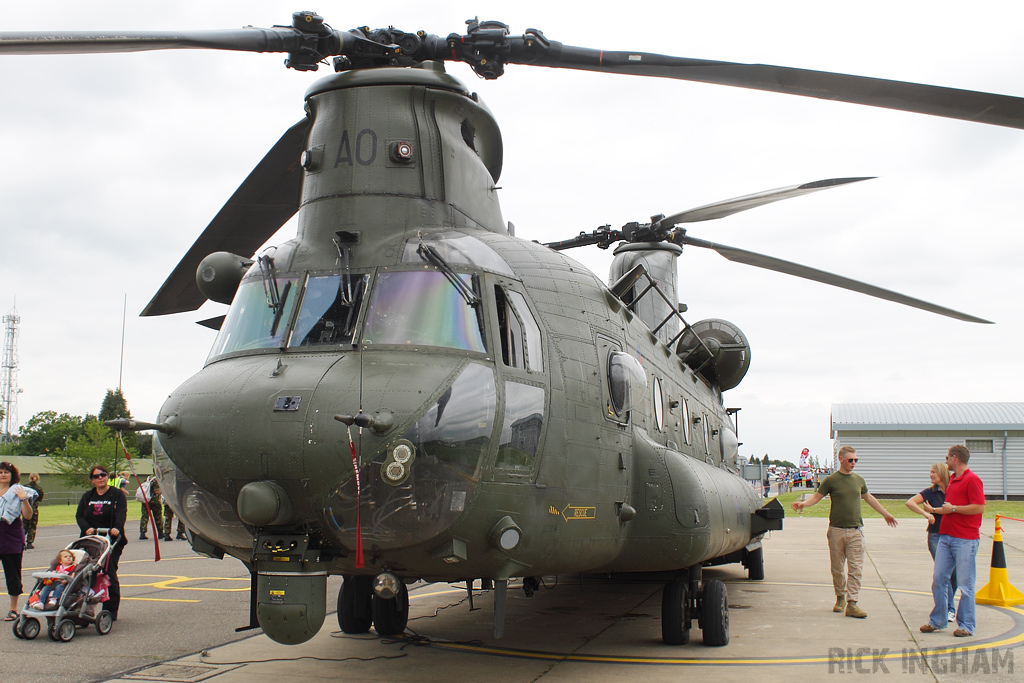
[(113, 164)]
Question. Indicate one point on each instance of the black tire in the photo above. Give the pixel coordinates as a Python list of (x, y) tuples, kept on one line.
[(715, 613), (104, 622), (30, 628), (16, 629), (755, 564), (65, 630), (391, 616), (675, 613), (355, 604)]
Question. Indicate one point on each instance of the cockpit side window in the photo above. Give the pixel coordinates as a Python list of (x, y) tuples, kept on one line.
[(518, 331)]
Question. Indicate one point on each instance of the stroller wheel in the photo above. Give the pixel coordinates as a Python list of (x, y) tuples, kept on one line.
[(29, 629), (104, 622), (65, 630), (16, 629)]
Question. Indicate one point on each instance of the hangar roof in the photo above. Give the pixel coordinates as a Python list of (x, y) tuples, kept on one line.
[(927, 416)]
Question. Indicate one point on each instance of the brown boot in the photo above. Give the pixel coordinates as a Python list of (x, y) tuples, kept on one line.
[(853, 611), (840, 603)]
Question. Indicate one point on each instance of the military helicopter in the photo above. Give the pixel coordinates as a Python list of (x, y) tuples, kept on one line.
[(408, 391)]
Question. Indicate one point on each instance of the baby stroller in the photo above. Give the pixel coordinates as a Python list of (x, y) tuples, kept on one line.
[(80, 604)]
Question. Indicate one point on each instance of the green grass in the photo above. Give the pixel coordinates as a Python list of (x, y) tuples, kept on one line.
[(897, 508), (57, 515)]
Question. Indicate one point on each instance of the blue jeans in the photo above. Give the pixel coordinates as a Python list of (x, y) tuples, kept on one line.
[(954, 554), (933, 543)]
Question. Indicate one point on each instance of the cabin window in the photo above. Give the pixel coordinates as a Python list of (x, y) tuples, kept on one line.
[(522, 427), (251, 322), (518, 331), (423, 308), (686, 421), (627, 382), (659, 408), (707, 434), (328, 312)]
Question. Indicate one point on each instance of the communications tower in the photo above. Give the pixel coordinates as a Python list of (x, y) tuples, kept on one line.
[(9, 377)]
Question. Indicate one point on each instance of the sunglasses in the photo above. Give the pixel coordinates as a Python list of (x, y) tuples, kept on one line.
[(100, 475), (851, 460)]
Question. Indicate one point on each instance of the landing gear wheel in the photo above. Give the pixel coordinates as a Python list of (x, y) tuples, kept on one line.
[(391, 616), (355, 604), (755, 564), (714, 610), (65, 630), (675, 613), (104, 622), (29, 629)]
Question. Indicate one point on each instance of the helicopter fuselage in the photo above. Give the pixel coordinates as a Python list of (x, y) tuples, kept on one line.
[(506, 413)]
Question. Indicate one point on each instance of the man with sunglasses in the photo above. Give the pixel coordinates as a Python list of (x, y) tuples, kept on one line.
[(846, 529), (105, 507)]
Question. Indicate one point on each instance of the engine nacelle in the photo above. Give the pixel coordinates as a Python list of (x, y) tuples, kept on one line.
[(717, 350)]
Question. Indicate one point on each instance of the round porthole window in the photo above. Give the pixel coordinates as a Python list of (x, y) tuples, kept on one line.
[(626, 381)]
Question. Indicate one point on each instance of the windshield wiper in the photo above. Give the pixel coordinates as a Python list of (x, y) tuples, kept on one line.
[(275, 298), (430, 255)]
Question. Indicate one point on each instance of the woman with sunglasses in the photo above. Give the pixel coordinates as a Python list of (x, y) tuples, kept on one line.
[(15, 505), (105, 507)]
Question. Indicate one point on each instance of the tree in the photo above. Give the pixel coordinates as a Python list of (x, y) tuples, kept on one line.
[(97, 445), (48, 433), (114, 406)]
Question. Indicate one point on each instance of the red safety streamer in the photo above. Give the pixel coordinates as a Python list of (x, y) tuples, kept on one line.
[(152, 522), (355, 468)]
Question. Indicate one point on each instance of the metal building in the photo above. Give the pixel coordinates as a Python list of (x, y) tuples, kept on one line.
[(898, 442)]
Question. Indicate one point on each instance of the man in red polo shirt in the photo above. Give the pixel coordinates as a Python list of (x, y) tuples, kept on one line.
[(959, 536)]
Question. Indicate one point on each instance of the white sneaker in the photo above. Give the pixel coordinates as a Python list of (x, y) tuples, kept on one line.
[(951, 617)]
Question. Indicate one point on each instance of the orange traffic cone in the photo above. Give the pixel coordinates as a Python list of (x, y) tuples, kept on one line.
[(998, 591)]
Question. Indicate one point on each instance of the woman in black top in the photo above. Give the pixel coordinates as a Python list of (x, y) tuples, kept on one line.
[(105, 507), (932, 499)]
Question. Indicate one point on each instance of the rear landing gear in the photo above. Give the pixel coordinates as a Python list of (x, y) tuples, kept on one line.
[(683, 599)]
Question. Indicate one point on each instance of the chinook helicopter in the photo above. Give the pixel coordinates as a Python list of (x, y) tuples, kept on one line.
[(408, 391)]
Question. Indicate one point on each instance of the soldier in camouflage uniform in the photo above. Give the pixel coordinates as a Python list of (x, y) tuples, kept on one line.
[(30, 524), (155, 507), (168, 523)]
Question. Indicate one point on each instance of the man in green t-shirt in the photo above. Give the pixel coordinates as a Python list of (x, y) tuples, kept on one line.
[(846, 529)]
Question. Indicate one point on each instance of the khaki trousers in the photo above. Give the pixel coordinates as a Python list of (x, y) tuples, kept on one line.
[(846, 547)]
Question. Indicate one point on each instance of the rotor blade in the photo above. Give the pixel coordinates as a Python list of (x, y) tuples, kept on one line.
[(261, 204), (968, 105), (248, 39), (728, 207), (771, 263)]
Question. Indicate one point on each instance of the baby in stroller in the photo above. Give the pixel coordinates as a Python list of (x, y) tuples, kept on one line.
[(53, 586)]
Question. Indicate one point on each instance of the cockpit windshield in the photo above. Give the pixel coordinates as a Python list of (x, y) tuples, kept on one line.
[(421, 307), (330, 306), (252, 323)]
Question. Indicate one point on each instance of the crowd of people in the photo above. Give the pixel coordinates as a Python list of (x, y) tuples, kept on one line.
[(953, 506)]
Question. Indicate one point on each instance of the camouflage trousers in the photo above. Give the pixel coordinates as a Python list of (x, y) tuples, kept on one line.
[(169, 521), (157, 517), (31, 524)]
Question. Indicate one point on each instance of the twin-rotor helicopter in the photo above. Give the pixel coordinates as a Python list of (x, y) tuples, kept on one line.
[(406, 390)]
